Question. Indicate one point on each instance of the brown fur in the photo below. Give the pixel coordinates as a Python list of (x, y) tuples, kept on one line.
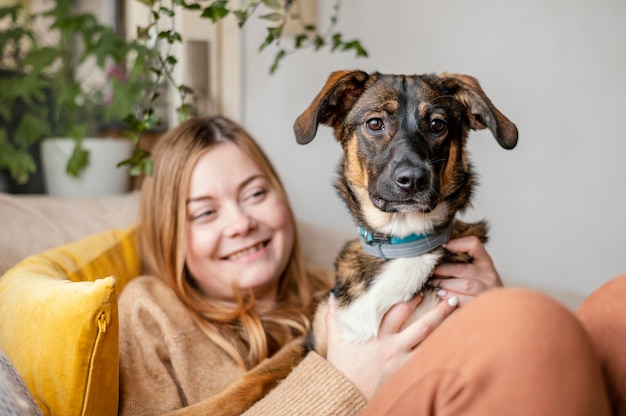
[(405, 170)]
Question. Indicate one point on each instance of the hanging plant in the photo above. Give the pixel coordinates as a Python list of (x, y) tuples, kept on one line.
[(160, 35)]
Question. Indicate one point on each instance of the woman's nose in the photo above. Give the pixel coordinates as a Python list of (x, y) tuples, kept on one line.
[(240, 222)]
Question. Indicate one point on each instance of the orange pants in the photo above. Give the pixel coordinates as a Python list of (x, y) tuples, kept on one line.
[(603, 315), (517, 352)]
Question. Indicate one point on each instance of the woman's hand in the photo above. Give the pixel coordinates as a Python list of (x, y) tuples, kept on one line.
[(370, 364), (466, 280)]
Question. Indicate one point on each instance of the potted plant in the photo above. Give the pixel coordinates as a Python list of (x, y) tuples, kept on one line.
[(77, 86)]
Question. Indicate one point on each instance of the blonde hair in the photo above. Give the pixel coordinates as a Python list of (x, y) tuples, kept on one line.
[(248, 337)]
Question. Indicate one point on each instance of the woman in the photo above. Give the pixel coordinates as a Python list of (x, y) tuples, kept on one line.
[(228, 288)]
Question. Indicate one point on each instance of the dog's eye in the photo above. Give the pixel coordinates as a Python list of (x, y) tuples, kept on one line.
[(375, 124), (437, 125)]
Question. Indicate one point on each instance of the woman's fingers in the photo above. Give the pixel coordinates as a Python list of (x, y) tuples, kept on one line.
[(470, 245), (461, 286), (397, 315), (416, 332), (445, 295), (466, 280)]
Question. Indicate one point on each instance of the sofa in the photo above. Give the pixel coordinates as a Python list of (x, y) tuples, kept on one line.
[(64, 262)]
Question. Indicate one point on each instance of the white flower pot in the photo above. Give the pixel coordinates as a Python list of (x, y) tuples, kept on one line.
[(100, 177)]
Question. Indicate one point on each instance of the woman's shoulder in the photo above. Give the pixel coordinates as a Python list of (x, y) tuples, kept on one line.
[(146, 285), (146, 288), (148, 295)]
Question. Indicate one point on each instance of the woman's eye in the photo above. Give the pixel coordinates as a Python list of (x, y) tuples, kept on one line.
[(205, 213), (437, 125), (255, 195), (375, 124)]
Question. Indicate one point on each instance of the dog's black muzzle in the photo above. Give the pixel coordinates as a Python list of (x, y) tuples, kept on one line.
[(403, 179), (406, 187)]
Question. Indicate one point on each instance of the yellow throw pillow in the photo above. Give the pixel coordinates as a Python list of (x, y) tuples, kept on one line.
[(58, 321)]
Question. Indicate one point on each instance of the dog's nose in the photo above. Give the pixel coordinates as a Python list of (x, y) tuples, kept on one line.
[(411, 179)]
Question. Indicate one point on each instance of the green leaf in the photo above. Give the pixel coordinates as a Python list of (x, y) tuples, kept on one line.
[(273, 4), (337, 42), (185, 89), (19, 162), (139, 164), (269, 39), (176, 37), (356, 45), (275, 32), (143, 33), (31, 129), (41, 58), (186, 111), (78, 161), (148, 3), (167, 12), (147, 166), (133, 122), (279, 57), (241, 16), (299, 41), (10, 11), (319, 42), (216, 11), (151, 122), (22, 166), (272, 17)]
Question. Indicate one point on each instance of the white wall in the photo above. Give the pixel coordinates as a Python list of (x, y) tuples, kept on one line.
[(557, 68)]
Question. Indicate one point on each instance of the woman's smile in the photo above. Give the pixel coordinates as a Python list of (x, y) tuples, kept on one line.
[(249, 253)]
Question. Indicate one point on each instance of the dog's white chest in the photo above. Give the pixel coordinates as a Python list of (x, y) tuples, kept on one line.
[(399, 281)]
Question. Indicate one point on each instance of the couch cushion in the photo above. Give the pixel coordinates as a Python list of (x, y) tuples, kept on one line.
[(58, 321)]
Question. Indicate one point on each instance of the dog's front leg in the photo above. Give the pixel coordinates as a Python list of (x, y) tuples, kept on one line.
[(250, 387)]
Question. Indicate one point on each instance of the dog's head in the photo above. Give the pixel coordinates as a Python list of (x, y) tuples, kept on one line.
[(403, 138)]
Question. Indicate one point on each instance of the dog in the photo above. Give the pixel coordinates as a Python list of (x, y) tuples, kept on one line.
[(404, 176)]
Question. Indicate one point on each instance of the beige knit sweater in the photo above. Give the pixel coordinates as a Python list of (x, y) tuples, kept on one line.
[(167, 363)]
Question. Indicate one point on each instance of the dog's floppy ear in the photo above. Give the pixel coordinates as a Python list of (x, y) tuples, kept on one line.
[(483, 114), (331, 104)]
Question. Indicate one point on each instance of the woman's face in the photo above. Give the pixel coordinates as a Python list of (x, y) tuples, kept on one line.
[(238, 227)]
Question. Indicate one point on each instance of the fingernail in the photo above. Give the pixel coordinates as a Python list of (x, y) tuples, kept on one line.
[(453, 301), (442, 293)]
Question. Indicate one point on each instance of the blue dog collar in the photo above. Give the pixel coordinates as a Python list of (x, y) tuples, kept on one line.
[(390, 247)]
